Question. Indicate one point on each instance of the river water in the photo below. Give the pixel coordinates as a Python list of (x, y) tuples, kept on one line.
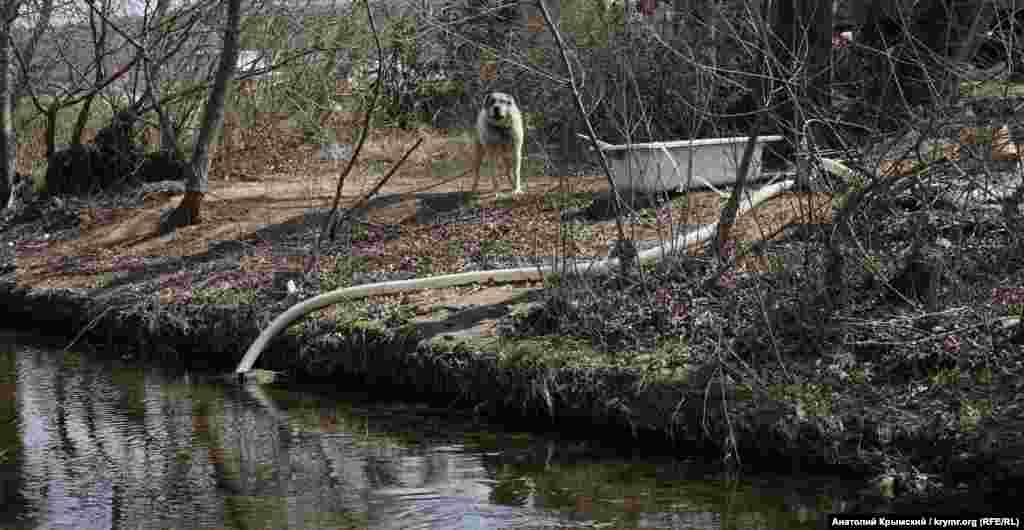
[(88, 443)]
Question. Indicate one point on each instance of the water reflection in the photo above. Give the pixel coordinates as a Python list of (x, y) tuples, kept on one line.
[(105, 444)]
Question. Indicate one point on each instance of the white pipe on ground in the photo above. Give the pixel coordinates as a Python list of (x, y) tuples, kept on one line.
[(504, 275)]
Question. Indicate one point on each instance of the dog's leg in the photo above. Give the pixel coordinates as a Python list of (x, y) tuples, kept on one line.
[(478, 160), (506, 170), (516, 161), (499, 169)]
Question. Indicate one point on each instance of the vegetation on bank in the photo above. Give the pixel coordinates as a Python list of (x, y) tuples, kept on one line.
[(885, 339), (745, 360)]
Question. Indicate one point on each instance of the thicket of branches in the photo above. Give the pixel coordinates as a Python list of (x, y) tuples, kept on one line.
[(686, 70)]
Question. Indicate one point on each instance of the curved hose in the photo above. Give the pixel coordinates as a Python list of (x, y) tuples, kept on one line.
[(503, 275)]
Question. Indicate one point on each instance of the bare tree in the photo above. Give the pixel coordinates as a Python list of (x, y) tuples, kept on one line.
[(13, 87), (157, 36), (38, 16), (802, 31), (8, 142), (85, 78), (188, 211), (99, 32)]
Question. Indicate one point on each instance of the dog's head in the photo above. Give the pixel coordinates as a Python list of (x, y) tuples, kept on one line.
[(500, 107)]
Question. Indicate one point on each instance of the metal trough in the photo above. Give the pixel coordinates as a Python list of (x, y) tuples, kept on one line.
[(681, 165)]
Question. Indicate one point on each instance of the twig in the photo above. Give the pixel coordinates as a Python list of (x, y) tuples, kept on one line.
[(934, 336), (896, 321), (328, 224), (86, 329), (366, 198), (617, 200)]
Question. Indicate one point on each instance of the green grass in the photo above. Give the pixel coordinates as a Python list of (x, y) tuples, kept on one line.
[(464, 136), (991, 88), (27, 118), (447, 168)]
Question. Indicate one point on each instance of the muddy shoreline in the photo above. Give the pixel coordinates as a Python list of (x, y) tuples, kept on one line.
[(541, 382), (615, 406)]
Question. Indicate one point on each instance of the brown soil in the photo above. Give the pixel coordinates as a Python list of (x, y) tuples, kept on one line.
[(259, 195)]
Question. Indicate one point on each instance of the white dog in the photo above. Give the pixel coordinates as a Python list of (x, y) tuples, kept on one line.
[(499, 132)]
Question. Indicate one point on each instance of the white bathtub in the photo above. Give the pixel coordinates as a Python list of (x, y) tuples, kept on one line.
[(666, 166)]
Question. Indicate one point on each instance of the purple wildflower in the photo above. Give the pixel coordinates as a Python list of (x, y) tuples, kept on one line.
[(664, 216), (368, 249), (104, 216), (496, 216), (31, 247), (57, 263), (727, 280), (471, 248), (729, 248), (951, 344), (1007, 295), (177, 280), (440, 232), (128, 264), (86, 264), (679, 312), (407, 264)]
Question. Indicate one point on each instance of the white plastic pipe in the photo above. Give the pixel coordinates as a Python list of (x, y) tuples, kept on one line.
[(503, 275)]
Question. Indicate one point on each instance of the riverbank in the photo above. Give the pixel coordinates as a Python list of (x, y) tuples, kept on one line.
[(872, 330), (745, 366)]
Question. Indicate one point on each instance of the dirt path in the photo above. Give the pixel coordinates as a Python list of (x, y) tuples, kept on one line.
[(240, 209)]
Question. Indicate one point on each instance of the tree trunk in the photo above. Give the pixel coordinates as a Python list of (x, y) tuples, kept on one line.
[(188, 211), (802, 26), (51, 127), (330, 66), (918, 41), (28, 52), (83, 119), (980, 19), (8, 142), (951, 29), (325, 98), (154, 72)]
